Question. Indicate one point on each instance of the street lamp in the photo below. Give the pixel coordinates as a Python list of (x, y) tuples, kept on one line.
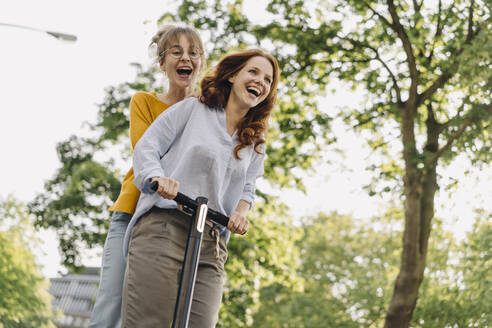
[(57, 35)]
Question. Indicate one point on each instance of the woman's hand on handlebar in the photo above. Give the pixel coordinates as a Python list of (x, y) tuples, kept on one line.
[(238, 223), (168, 188)]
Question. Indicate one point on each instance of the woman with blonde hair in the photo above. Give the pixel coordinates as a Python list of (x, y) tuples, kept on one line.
[(180, 56), (213, 147)]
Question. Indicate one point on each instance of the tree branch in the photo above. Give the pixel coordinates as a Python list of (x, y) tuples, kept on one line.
[(379, 59), (431, 116), (367, 120), (407, 46), (445, 76), (381, 17), (395, 83), (417, 6), (451, 120), (437, 34), (450, 141), (433, 130), (470, 23)]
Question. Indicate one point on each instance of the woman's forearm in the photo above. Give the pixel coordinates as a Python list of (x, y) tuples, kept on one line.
[(243, 207)]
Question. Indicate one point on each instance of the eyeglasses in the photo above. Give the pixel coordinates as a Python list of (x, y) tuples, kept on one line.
[(177, 52)]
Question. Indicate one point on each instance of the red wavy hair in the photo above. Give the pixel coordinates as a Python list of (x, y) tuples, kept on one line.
[(216, 88)]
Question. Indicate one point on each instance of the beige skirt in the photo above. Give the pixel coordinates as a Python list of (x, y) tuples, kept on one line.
[(155, 257)]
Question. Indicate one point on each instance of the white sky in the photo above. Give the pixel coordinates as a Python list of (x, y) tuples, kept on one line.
[(48, 88)]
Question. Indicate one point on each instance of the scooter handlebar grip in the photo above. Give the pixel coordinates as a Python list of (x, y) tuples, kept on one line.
[(187, 201)]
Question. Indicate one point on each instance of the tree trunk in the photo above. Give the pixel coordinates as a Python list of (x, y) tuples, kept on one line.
[(420, 188), (412, 265)]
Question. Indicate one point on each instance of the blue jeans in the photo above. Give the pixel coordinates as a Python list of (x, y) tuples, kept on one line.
[(107, 310)]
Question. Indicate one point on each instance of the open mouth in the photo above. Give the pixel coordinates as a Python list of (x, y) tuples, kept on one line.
[(184, 71), (253, 91)]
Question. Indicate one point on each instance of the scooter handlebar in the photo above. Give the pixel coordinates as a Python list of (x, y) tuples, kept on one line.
[(191, 203)]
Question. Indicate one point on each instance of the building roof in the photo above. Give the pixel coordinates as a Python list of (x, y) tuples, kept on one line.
[(75, 295)]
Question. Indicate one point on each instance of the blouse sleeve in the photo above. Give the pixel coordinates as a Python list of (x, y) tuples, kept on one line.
[(255, 170)]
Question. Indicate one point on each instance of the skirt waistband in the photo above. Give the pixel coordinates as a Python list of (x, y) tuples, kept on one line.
[(215, 228), (160, 209)]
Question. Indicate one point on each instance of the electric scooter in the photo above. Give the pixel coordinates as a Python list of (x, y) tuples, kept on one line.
[(200, 212)]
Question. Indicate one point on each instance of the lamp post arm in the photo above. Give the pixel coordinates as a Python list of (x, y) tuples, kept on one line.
[(57, 35)]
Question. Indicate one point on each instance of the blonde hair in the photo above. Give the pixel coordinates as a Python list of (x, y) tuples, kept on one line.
[(168, 35)]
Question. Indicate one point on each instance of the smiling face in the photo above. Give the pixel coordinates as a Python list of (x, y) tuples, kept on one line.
[(181, 62), (251, 85)]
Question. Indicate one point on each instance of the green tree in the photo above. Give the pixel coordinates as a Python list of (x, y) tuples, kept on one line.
[(425, 70), (458, 292), (346, 268), (474, 290), (24, 300), (347, 264), (76, 200), (260, 263)]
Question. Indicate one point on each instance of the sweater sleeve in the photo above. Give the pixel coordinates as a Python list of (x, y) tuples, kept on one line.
[(255, 170), (156, 141), (140, 117)]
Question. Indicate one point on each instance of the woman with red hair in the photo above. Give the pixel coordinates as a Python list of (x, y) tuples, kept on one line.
[(212, 146)]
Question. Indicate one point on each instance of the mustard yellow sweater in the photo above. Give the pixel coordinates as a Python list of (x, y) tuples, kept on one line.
[(144, 109)]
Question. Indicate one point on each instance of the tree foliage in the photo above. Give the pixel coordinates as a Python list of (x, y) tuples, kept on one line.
[(345, 268), (458, 289), (259, 264), (76, 200), (24, 299), (337, 271)]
